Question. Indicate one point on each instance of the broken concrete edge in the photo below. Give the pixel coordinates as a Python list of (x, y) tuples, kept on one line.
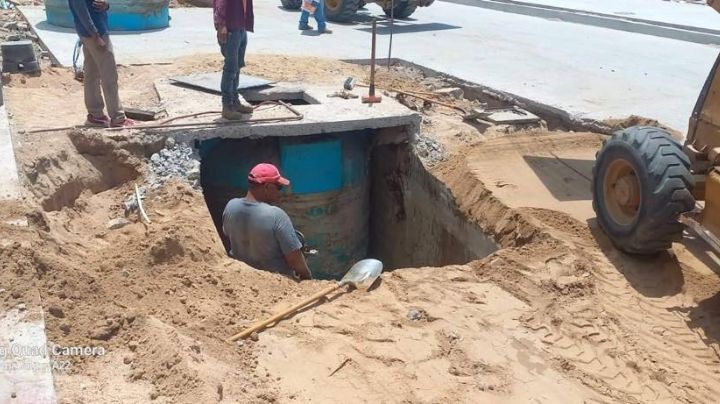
[(704, 36), (473, 91)]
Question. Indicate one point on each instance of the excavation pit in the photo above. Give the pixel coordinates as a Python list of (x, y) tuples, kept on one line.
[(352, 196), (357, 188)]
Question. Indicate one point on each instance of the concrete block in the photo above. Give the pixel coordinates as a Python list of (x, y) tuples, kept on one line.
[(145, 115), (19, 56)]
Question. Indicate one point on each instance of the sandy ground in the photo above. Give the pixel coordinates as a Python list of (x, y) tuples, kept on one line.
[(556, 315)]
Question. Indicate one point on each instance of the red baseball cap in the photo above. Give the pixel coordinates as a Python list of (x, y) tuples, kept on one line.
[(266, 173)]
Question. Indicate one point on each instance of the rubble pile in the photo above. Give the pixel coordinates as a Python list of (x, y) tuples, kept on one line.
[(13, 26), (430, 151), (175, 160)]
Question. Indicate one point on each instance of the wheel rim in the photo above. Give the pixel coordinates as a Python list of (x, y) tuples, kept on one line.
[(622, 192), (332, 4)]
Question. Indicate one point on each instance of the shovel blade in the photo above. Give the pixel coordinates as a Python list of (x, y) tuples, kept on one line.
[(363, 274)]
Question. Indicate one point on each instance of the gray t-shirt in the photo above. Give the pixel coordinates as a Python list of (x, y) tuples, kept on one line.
[(260, 234)]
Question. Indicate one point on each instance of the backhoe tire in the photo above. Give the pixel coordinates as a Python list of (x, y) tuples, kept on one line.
[(641, 185), (291, 4), (403, 9), (341, 10)]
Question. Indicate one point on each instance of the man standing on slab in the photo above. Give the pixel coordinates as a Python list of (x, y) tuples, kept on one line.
[(233, 20), (99, 70)]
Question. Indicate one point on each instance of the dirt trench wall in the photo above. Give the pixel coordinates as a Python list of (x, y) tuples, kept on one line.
[(84, 161), (415, 221)]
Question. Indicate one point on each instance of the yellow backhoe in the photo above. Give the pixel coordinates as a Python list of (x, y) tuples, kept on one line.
[(646, 184)]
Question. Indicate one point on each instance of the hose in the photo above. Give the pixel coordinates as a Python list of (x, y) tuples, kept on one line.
[(79, 74)]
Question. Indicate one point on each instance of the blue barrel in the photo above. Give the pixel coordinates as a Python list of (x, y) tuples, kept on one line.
[(329, 199), (124, 15)]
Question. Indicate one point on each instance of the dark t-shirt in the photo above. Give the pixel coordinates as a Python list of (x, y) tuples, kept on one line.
[(260, 234)]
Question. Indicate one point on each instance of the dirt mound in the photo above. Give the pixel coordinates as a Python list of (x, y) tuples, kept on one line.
[(166, 250), (159, 299), (634, 120)]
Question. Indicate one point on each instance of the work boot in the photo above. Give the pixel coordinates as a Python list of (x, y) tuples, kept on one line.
[(243, 108), (304, 27), (229, 113)]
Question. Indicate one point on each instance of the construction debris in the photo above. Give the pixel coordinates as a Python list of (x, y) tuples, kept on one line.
[(430, 151), (504, 116), (177, 160), (117, 223), (343, 94), (452, 92), (146, 114)]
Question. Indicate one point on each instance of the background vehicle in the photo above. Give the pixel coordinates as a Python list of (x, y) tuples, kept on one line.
[(345, 10)]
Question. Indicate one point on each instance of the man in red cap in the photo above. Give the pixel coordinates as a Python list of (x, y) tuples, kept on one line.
[(261, 234)]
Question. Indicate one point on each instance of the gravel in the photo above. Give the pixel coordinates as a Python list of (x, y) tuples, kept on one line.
[(430, 151), (177, 160)]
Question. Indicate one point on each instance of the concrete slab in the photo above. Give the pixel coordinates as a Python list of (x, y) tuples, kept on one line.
[(323, 115), (590, 72), (25, 372), (211, 81), (9, 182)]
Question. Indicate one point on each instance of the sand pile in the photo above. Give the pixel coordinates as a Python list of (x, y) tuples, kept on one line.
[(161, 298)]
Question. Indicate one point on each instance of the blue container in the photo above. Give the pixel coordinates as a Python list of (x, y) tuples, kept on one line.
[(329, 199), (124, 15)]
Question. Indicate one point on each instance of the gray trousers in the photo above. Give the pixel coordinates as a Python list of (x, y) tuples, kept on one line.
[(100, 72)]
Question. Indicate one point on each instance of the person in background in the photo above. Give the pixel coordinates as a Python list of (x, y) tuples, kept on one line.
[(261, 234), (99, 69), (233, 20), (318, 6)]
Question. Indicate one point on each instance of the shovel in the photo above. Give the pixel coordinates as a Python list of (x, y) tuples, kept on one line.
[(362, 275)]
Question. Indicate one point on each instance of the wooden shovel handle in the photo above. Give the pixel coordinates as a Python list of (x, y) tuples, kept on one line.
[(258, 326)]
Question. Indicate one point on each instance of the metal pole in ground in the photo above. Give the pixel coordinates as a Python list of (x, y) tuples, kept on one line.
[(392, 25), (371, 98)]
